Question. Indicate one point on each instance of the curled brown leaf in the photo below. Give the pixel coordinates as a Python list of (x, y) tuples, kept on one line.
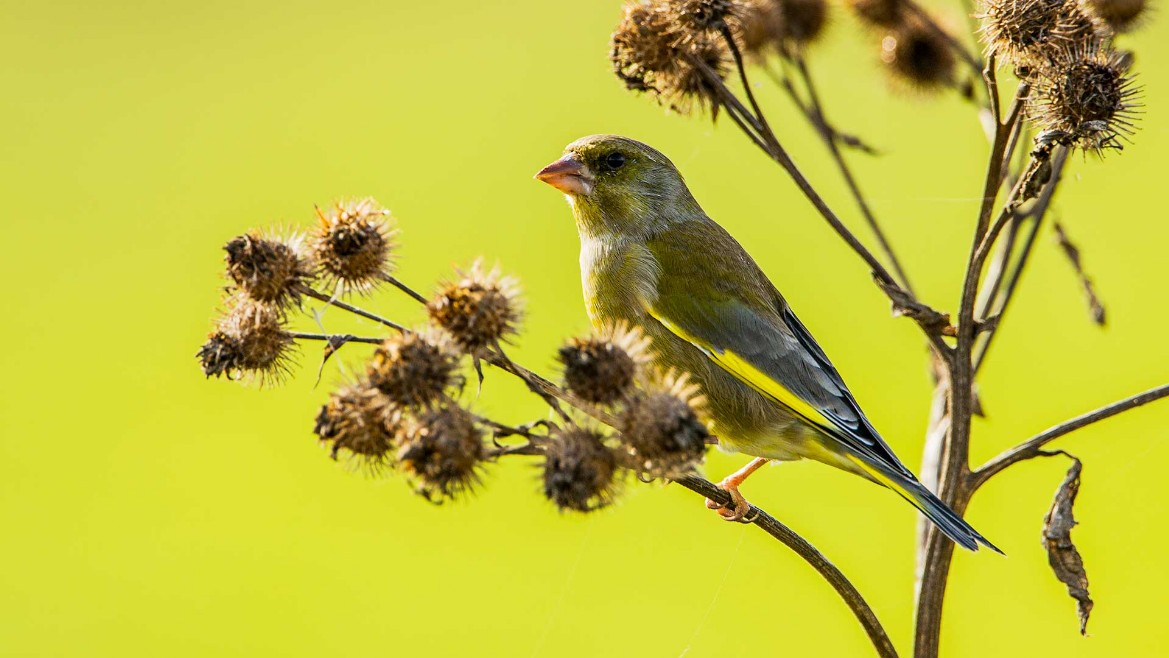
[(1062, 554)]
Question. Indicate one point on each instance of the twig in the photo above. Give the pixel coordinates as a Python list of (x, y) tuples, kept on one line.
[(763, 137), (1031, 447), (777, 152), (820, 121), (529, 449), (337, 338), (534, 445), (990, 77), (783, 81), (333, 301), (551, 393), (1036, 213), (1073, 253), (813, 557), (996, 272), (393, 281)]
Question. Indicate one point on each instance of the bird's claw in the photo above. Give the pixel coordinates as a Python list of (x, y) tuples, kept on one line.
[(737, 509)]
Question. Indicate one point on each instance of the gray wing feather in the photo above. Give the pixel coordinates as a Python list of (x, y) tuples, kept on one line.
[(783, 348), (854, 423)]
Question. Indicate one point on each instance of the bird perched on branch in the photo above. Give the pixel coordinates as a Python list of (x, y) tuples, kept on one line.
[(650, 257)]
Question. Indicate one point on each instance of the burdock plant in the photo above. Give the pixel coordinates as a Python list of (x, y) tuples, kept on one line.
[(405, 411), (1048, 81)]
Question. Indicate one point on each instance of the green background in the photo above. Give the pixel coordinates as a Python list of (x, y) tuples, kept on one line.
[(146, 511)]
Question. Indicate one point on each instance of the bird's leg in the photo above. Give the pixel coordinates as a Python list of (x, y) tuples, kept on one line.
[(730, 484)]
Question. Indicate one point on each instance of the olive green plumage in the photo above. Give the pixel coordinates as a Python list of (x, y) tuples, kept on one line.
[(652, 258)]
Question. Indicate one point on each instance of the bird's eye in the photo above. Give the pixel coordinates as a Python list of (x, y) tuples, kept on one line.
[(613, 161)]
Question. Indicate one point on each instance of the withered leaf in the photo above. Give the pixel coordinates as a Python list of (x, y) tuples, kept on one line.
[(1095, 307), (1062, 554), (331, 347)]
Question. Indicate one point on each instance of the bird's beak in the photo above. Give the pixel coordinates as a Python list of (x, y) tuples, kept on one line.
[(569, 175)]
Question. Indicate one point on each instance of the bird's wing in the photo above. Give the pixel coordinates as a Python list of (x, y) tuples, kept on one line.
[(748, 329)]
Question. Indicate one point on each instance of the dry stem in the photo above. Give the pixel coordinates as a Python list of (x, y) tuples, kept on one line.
[(1033, 447)]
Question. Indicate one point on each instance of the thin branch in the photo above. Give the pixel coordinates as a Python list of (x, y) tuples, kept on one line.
[(747, 130), (551, 393), (760, 120), (393, 281), (528, 449), (780, 155), (990, 77), (1032, 447), (763, 137), (813, 557), (333, 301), (820, 121), (337, 339), (996, 272), (1036, 213), (783, 81), (1004, 249), (1008, 214), (547, 390), (934, 323), (534, 446)]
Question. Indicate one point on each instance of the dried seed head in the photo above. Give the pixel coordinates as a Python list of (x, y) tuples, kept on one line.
[(360, 421), (1086, 100), (249, 341), (580, 471), (352, 245), (1035, 32), (803, 20), (268, 270), (761, 31), (880, 13), (442, 449), (657, 49), (1120, 15), (601, 368), (661, 429), (414, 369), (919, 56), (478, 309), (703, 15)]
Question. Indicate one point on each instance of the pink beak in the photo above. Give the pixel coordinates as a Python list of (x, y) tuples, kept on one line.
[(569, 175)]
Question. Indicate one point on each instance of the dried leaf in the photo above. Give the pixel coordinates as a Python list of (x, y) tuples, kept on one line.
[(904, 305), (1095, 307), (331, 347), (1062, 554)]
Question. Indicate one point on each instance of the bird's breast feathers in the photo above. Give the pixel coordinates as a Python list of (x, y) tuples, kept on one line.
[(619, 278)]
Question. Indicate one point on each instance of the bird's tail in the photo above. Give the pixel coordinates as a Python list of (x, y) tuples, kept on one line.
[(946, 519)]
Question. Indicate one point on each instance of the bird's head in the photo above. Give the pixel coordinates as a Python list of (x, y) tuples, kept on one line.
[(617, 185)]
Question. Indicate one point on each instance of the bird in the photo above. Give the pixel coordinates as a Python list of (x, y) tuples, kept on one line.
[(652, 259)]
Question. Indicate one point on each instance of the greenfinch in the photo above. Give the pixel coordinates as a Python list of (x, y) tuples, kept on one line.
[(651, 258)]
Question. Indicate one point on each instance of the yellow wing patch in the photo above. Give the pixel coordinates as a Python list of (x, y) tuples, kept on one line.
[(750, 375)]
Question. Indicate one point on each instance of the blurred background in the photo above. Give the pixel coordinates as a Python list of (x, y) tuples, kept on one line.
[(146, 510)]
